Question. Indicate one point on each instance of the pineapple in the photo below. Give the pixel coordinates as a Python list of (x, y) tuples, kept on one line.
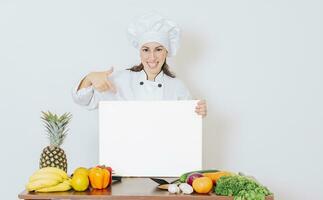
[(53, 155)]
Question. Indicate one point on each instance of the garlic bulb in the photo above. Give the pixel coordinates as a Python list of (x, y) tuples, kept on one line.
[(173, 188), (186, 188)]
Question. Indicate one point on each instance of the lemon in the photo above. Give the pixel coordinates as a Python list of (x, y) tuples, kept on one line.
[(80, 182), (81, 170)]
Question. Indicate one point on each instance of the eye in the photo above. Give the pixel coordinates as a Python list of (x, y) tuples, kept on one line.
[(145, 50), (160, 49)]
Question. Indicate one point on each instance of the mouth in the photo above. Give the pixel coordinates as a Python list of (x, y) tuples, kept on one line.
[(152, 65)]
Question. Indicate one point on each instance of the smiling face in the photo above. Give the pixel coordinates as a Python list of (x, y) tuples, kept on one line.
[(153, 56)]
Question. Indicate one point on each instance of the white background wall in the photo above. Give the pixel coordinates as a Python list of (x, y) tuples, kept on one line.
[(258, 64)]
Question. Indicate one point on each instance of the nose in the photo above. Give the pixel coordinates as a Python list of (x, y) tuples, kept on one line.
[(152, 55)]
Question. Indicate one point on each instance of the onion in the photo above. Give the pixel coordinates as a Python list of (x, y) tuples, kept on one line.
[(192, 176)]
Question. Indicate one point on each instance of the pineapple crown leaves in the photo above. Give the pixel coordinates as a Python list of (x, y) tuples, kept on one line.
[(56, 127)]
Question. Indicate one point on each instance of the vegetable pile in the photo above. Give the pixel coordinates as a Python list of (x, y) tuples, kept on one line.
[(222, 183), (241, 187)]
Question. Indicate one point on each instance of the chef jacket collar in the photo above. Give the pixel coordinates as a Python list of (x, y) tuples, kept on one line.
[(158, 78)]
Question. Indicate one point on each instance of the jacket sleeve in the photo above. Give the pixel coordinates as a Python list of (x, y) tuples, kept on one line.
[(89, 98)]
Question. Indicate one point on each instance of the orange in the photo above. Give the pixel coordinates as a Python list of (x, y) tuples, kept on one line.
[(202, 185), (80, 182), (215, 176)]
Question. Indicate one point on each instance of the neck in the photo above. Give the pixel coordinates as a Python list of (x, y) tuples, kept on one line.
[(151, 77)]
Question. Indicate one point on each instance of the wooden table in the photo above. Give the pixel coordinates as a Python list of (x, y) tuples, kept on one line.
[(128, 189)]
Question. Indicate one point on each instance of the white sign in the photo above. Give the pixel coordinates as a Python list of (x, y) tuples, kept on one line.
[(150, 138)]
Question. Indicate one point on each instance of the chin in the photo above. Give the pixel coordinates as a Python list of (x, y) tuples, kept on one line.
[(155, 70)]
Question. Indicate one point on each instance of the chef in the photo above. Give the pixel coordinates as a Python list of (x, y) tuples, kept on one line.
[(156, 38)]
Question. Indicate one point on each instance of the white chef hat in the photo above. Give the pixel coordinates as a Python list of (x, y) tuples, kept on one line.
[(152, 27)]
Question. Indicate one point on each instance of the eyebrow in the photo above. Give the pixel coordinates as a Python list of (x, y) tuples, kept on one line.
[(155, 47)]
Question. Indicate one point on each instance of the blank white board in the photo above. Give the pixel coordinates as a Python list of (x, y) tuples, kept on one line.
[(150, 138)]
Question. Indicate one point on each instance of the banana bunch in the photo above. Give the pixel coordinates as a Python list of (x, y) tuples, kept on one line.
[(49, 179)]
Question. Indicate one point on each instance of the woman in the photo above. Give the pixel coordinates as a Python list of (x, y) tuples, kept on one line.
[(155, 38)]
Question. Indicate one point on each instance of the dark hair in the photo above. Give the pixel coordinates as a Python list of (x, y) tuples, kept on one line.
[(165, 68)]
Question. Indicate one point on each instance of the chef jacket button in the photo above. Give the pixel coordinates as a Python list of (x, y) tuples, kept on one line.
[(159, 85), (141, 83)]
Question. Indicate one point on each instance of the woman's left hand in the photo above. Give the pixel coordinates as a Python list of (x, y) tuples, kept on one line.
[(200, 108)]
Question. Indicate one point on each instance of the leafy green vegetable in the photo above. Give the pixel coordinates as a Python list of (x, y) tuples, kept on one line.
[(241, 188)]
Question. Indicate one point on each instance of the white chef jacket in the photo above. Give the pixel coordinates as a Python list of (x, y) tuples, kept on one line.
[(133, 86)]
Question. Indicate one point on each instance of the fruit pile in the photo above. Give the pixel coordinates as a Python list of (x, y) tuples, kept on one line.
[(52, 179), (52, 175)]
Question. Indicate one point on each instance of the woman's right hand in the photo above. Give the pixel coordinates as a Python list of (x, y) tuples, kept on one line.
[(99, 81)]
